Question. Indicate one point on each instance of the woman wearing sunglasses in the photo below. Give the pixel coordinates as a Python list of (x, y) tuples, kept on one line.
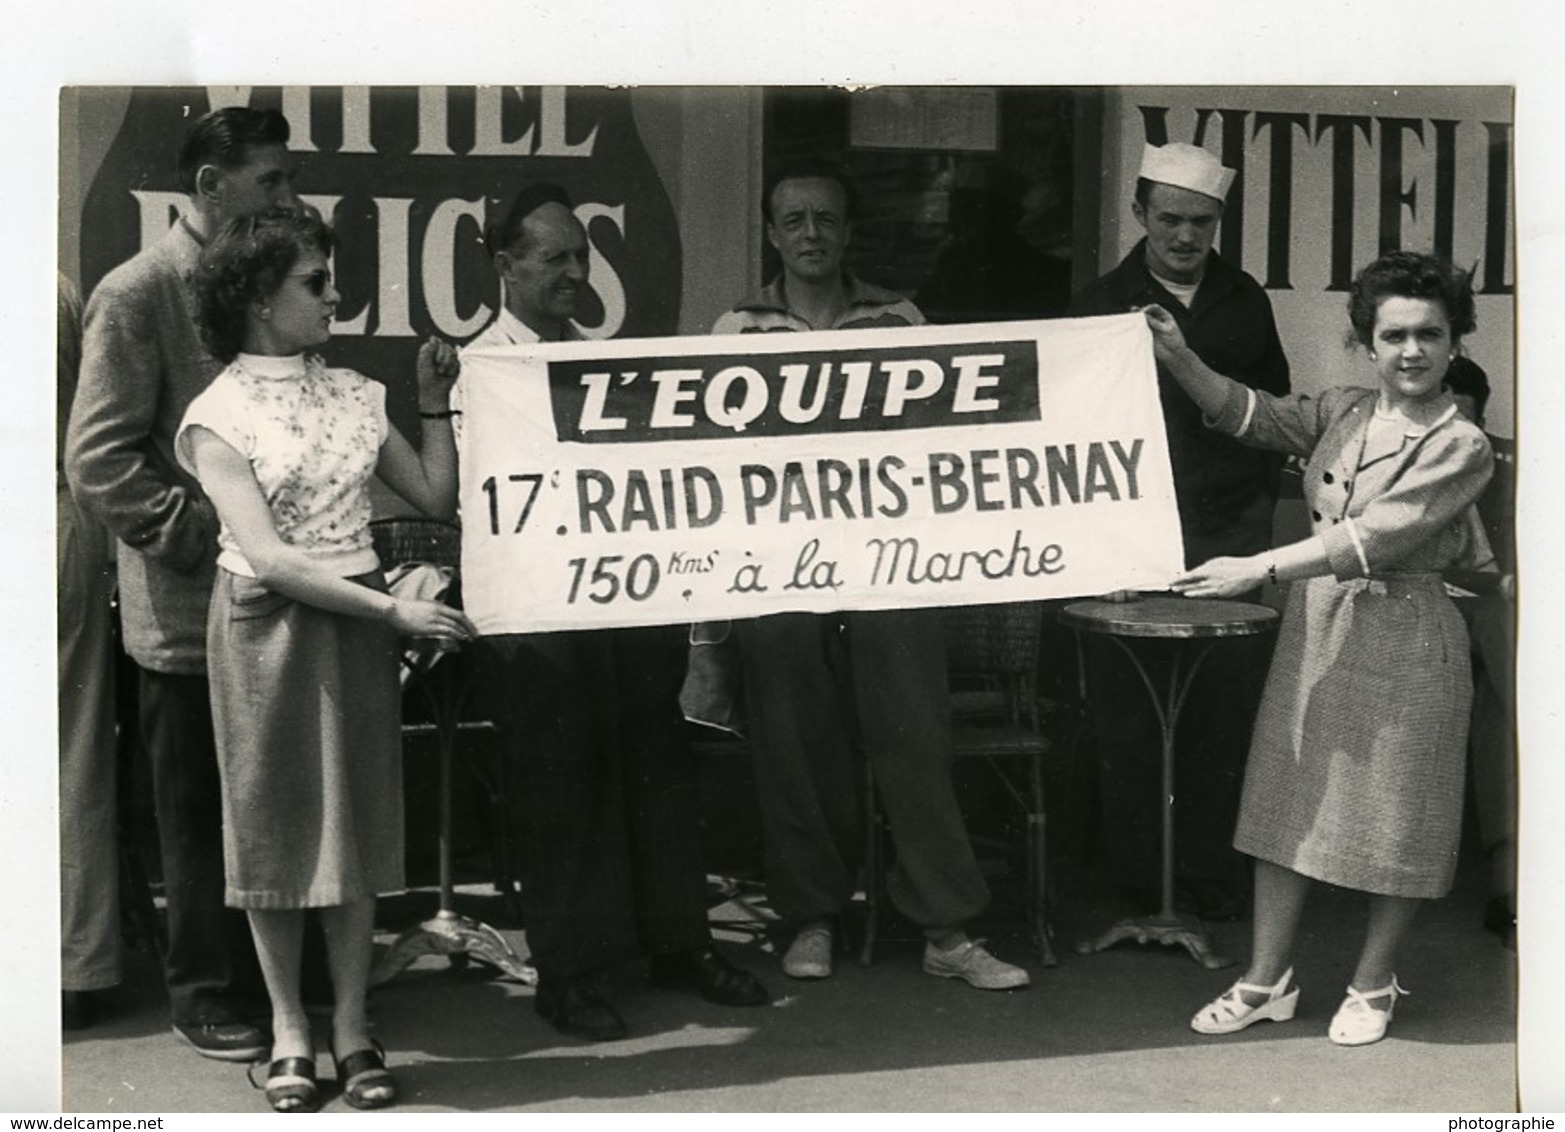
[(302, 633)]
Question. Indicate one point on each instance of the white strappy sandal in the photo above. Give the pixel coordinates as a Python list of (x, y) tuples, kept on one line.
[(1357, 1023), (1231, 1013)]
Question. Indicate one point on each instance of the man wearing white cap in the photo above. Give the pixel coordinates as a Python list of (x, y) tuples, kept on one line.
[(1226, 495)]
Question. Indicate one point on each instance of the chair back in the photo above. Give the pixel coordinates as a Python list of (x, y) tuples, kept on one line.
[(403, 541), (992, 654), (993, 638)]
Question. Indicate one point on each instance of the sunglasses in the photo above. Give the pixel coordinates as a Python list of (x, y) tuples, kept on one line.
[(314, 281)]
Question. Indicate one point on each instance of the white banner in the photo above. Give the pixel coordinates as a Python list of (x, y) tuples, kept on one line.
[(664, 480)]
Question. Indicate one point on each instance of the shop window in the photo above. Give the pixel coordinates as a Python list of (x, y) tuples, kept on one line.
[(968, 201)]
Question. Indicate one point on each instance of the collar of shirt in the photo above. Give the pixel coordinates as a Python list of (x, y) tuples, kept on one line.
[(1133, 281), (773, 297), (183, 246), (519, 333), (1380, 443), (191, 232), (271, 367)]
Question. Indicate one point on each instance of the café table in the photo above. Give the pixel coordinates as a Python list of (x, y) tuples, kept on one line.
[(1194, 626), (445, 686), (448, 932)]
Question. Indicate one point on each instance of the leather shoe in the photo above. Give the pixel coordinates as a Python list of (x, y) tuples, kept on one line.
[(78, 1009), (710, 976), (290, 1084), (1499, 917), (575, 1008), (231, 1040)]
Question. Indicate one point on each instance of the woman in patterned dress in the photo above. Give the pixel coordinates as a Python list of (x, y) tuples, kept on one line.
[(1355, 773), (302, 634)]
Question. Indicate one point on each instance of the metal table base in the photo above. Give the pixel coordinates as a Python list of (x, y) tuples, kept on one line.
[(1176, 619), (449, 933)]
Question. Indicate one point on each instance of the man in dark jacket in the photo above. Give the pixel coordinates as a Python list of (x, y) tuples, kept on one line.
[(1226, 494), (604, 787)]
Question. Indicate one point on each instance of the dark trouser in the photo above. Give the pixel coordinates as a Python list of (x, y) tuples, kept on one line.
[(210, 968), (89, 871), (603, 793), (1211, 744), (807, 682), (1491, 625)]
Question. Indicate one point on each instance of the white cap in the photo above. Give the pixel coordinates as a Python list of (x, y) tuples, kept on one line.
[(1186, 167)]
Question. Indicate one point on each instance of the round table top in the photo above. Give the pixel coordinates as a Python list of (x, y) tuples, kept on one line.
[(1171, 617)]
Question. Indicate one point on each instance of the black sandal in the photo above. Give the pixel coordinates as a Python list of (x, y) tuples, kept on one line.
[(365, 1080), (290, 1084)]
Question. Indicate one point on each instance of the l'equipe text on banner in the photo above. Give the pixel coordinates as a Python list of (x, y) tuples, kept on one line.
[(664, 480)]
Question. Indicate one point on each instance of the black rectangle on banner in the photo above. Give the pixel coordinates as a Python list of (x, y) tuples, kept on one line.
[(873, 389)]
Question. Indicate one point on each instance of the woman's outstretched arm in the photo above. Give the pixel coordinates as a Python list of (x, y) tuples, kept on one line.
[(1229, 577), (1206, 387)]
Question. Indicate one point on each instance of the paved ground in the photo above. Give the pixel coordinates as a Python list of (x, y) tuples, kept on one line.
[(1097, 1033)]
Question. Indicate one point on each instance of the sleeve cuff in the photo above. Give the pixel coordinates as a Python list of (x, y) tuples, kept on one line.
[(1237, 412), (1345, 550)]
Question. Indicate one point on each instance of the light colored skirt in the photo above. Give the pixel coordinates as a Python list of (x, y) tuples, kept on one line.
[(306, 705), (1357, 764)]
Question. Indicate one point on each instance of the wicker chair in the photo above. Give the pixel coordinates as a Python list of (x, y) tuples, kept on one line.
[(999, 718), (405, 540)]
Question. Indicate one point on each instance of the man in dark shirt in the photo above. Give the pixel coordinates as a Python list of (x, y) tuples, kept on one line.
[(1226, 495), (1487, 599)]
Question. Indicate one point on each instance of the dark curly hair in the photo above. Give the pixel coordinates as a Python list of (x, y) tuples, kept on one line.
[(1411, 275), (249, 260)]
